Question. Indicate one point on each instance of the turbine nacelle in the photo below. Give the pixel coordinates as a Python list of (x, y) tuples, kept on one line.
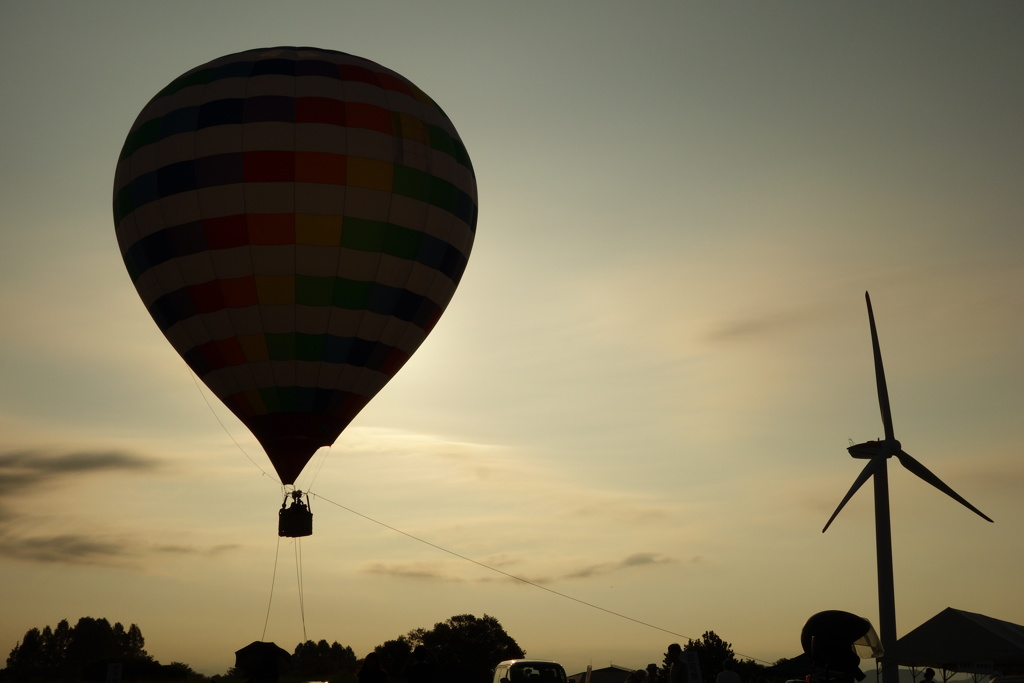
[(885, 448)]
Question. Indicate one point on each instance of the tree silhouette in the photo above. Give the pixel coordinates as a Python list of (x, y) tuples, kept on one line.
[(466, 648), (27, 656), (60, 640), (712, 652), (320, 661), (394, 655), (82, 651), (462, 649)]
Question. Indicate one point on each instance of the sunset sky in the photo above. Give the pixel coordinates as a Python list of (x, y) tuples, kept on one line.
[(640, 396)]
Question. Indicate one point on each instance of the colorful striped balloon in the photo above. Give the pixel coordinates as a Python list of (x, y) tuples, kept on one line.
[(295, 220)]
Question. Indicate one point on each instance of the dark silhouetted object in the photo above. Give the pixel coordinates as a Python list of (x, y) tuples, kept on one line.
[(728, 674), (295, 220), (877, 454), (262, 662), (676, 666), (372, 670), (831, 638), (421, 668), (956, 640), (712, 651), (320, 661), (466, 647), (297, 519)]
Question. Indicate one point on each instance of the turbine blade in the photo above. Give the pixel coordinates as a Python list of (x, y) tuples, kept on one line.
[(926, 474), (883, 391), (865, 474)]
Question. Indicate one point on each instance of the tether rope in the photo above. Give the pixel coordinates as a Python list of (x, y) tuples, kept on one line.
[(428, 543), (517, 578), (499, 571), (273, 580), (298, 576)]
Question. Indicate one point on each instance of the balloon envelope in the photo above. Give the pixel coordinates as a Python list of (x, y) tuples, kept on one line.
[(295, 220)]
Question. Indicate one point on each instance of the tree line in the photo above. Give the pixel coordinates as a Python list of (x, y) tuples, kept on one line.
[(83, 652), (465, 648), (462, 649)]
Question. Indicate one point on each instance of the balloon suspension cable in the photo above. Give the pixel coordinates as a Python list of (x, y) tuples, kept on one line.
[(513, 576), (223, 426), (320, 458), (298, 576), (273, 580)]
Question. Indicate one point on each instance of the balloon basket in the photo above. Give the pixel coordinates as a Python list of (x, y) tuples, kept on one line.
[(297, 519)]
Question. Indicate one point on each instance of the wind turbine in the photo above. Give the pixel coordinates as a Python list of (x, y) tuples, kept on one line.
[(877, 453)]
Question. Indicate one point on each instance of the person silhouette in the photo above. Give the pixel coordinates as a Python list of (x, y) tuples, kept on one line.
[(727, 675), (372, 670), (421, 668), (677, 672)]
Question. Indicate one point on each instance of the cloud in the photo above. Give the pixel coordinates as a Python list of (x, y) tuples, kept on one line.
[(634, 560), (436, 572), (65, 548), (768, 324), (26, 469), (623, 509), (411, 570), (26, 472), (94, 549), (192, 550)]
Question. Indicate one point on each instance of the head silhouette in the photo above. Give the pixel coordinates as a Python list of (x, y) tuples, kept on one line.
[(828, 638)]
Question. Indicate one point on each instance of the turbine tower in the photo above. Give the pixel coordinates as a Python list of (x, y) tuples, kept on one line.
[(877, 453)]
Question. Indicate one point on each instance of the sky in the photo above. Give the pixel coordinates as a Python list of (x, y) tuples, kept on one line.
[(641, 395)]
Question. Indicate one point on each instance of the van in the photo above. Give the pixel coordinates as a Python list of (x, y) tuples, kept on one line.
[(529, 671)]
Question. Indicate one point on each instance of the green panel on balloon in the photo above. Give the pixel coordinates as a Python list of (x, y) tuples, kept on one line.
[(314, 291)]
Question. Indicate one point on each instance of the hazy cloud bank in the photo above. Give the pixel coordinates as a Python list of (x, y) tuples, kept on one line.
[(634, 560), (93, 549), (24, 530), (445, 572), (27, 469)]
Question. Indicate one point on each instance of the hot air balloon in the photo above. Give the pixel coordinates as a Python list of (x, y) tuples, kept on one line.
[(295, 220)]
